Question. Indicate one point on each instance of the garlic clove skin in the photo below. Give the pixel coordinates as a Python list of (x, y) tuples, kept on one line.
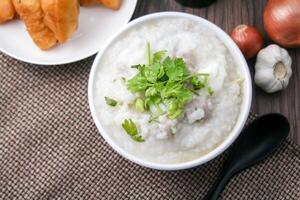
[(273, 69)]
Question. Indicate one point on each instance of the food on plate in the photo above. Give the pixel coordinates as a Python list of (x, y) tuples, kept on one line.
[(248, 39), (273, 68), (7, 10), (31, 13), (49, 21), (172, 94), (61, 16), (87, 2), (112, 4)]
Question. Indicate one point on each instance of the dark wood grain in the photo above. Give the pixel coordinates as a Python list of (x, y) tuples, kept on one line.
[(227, 14)]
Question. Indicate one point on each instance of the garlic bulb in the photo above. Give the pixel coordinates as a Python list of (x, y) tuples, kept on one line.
[(273, 68)]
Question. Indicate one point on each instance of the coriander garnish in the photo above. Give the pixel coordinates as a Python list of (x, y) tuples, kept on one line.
[(164, 85), (110, 101), (131, 129), (165, 82)]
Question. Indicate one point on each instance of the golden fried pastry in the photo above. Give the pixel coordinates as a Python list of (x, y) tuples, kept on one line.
[(87, 2), (61, 16), (7, 10), (31, 13), (112, 4)]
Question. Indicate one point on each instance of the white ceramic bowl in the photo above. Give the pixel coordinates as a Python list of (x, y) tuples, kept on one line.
[(245, 107)]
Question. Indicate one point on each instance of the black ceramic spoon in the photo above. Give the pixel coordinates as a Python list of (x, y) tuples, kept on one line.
[(262, 137)]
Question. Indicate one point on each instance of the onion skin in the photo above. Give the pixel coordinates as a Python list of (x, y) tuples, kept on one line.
[(282, 22), (248, 39)]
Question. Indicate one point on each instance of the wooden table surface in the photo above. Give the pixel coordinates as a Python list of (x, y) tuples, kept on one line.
[(227, 14)]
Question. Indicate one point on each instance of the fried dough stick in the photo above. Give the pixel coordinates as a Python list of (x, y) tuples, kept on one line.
[(87, 2), (112, 4), (7, 10), (61, 16), (31, 13)]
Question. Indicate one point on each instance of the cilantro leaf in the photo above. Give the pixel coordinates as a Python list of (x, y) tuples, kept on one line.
[(169, 67), (175, 108), (151, 91), (176, 90), (159, 86), (184, 95), (197, 84), (110, 101), (150, 74), (175, 69), (158, 56), (165, 85), (138, 83), (161, 72), (131, 129), (154, 100), (181, 66)]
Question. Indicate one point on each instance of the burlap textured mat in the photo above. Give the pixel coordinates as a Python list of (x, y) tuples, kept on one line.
[(51, 149)]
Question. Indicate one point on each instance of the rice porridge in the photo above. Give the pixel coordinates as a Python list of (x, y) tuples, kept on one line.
[(168, 91)]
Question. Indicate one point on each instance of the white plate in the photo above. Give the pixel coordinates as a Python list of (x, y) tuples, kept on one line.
[(96, 25)]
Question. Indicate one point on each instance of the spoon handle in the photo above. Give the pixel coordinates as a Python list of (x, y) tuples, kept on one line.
[(219, 185)]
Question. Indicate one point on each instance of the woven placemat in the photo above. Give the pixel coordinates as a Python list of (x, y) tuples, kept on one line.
[(51, 149)]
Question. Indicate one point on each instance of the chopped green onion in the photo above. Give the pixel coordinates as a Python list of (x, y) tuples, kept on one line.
[(139, 105), (110, 101), (131, 129)]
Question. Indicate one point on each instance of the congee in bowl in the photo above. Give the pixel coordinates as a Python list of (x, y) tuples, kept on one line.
[(168, 90)]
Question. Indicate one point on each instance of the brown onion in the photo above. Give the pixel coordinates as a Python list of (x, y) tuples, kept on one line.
[(282, 22), (248, 39)]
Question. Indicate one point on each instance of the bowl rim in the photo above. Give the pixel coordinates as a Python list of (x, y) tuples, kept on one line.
[(244, 111)]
